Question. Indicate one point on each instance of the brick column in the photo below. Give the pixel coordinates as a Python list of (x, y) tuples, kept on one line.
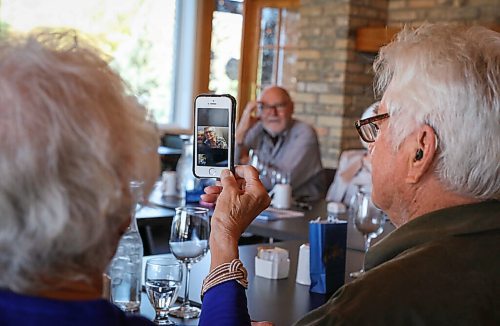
[(333, 81)]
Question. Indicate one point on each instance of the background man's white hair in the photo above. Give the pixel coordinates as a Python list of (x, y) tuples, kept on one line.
[(448, 77), (71, 140)]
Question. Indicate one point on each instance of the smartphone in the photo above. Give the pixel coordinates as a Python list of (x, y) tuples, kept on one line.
[(214, 117)]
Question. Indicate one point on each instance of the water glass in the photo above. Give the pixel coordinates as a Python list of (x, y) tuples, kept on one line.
[(163, 281)]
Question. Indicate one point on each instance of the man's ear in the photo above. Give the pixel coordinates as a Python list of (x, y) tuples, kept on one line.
[(422, 153)]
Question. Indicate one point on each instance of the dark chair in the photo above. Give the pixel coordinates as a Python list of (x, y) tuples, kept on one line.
[(173, 149), (328, 175)]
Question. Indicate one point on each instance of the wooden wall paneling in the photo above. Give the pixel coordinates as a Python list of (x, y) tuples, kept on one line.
[(371, 39), (203, 47)]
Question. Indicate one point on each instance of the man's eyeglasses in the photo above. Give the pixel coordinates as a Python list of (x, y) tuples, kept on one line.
[(268, 107), (368, 129)]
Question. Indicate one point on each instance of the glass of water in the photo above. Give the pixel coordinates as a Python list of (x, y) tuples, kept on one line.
[(189, 244), (163, 281)]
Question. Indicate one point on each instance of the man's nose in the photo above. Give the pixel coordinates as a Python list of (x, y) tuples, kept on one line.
[(273, 110)]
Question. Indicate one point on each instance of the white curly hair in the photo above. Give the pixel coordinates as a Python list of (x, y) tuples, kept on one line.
[(71, 139)]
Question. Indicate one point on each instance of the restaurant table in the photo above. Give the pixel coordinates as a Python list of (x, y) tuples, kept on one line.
[(296, 228), (156, 198), (150, 218), (281, 301)]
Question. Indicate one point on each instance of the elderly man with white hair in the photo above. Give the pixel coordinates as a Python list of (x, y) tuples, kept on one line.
[(435, 148), (281, 143)]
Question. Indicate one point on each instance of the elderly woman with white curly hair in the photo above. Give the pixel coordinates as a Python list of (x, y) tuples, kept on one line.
[(71, 139), (435, 152)]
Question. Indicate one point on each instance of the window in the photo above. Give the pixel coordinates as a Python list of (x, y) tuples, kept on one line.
[(225, 50), (277, 48), (140, 36), (270, 47)]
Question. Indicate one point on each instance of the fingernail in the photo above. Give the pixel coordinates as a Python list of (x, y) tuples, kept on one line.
[(225, 173)]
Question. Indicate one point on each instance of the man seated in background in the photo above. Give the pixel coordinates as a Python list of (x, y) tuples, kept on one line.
[(71, 140), (435, 149), (282, 143), (354, 170)]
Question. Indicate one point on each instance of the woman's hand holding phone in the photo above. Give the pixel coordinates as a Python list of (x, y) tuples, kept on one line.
[(240, 198)]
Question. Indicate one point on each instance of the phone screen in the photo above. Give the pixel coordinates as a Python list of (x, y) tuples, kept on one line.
[(213, 137)]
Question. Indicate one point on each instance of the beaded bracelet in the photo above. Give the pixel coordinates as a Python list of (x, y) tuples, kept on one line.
[(225, 272)]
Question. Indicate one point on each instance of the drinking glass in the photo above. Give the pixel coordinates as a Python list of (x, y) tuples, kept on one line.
[(279, 177), (253, 158), (189, 244), (163, 281), (275, 177), (368, 219)]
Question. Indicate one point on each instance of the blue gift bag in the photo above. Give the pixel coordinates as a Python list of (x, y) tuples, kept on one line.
[(327, 255)]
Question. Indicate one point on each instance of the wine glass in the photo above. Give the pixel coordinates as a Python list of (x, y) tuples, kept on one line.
[(253, 158), (368, 219), (163, 281), (189, 244), (279, 177), (275, 177)]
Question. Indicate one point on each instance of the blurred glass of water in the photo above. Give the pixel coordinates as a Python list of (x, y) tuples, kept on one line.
[(125, 272), (125, 269)]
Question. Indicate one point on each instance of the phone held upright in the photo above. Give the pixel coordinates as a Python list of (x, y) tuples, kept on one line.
[(214, 135)]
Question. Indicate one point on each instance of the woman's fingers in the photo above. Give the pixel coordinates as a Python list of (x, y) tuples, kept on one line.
[(209, 198), (213, 189)]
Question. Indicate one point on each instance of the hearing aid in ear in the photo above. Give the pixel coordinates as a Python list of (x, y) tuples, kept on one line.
[(419, 155)]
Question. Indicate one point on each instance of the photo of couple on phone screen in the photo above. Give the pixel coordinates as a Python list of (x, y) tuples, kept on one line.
[(212, 137)]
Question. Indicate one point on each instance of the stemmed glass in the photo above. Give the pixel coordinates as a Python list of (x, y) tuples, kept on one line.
[(368, 219), (163, 281), (253, 160), (257, 162), (279, 177), (189, 244)]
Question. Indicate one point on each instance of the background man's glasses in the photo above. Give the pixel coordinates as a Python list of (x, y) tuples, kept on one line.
[(268, 107), (367, 129)]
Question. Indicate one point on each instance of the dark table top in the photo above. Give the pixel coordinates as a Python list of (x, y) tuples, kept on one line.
[(280, 301), (281, 229), (298, 228), (290, 228)]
